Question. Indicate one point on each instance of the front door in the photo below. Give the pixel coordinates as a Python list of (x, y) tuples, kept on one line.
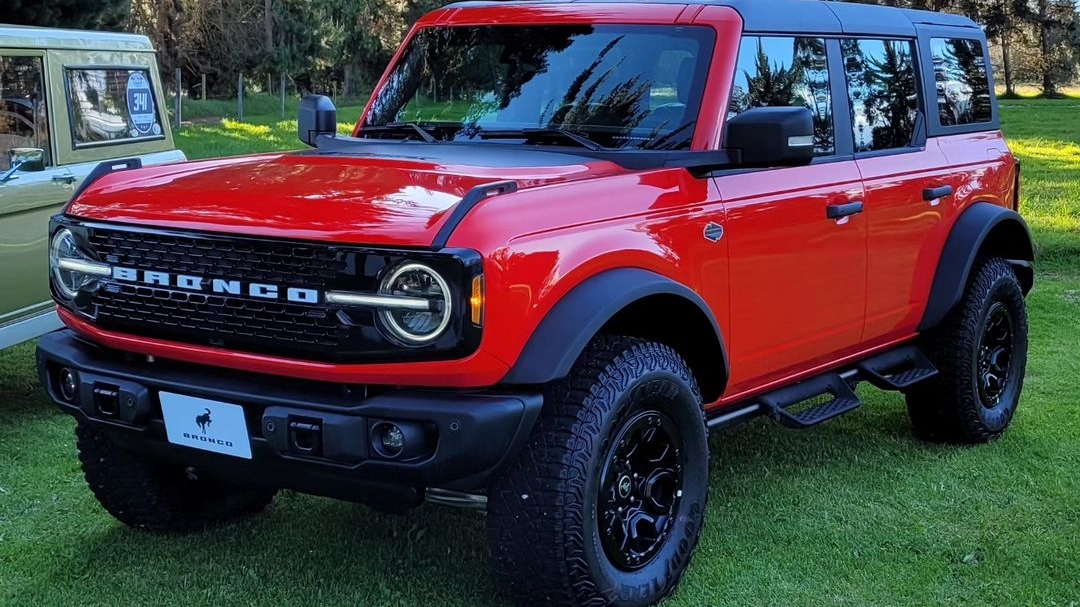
[(27, 197), (797, 275), (798, 278)]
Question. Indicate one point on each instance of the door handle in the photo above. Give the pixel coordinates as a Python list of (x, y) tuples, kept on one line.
[(934, 193), (68, 179), (836, 211)]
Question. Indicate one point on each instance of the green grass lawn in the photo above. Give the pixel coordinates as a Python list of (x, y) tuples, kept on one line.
[(854, 512)]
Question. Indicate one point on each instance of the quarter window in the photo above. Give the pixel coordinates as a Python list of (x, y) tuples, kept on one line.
[(882, 90), (109, 105), (784, 71), (23, 112), (963, 89)]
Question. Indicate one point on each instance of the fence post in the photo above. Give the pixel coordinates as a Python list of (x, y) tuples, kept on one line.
[(282, 88), (240, 97), (203, 87), (179, 89)]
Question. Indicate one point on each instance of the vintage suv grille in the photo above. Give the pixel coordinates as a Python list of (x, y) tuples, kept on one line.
[(216, 319)]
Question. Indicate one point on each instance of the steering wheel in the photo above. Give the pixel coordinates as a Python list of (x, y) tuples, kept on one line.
[(6, 115)]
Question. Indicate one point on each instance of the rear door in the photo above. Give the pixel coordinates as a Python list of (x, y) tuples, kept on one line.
[(908, 181), (798, 277), (111, 110)]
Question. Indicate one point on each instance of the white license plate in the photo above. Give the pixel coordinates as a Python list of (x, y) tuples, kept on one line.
[(205, 424)]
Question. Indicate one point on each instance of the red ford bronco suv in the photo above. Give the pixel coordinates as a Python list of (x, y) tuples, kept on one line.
[(564, 240)]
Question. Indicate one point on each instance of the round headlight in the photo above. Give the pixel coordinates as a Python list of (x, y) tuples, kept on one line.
[(71, 268), (68, 277), (416, 281)]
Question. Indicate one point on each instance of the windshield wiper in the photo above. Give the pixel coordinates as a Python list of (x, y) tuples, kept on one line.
[(568, 135), (398, 127), (655, 144)]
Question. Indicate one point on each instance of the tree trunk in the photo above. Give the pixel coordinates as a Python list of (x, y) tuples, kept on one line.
[(268, 24), (1044, 46), (1006, 66)]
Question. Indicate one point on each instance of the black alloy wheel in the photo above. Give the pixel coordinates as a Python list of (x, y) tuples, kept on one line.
[(995, 355), (640, 489)]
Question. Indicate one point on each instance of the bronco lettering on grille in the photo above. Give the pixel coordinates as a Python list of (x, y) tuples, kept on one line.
[(217, 285)]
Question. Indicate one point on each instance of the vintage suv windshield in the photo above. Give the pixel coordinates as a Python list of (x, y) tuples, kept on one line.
[(620, 86)]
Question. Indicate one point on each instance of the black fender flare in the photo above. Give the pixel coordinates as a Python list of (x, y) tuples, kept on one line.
[(562, 335), (980, 227)]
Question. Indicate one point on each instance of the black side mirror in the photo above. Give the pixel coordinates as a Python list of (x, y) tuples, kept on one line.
[(771, 136), (318, 116)]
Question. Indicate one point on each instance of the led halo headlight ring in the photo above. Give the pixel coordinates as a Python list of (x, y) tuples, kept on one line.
[(401, 330), (71, 268)]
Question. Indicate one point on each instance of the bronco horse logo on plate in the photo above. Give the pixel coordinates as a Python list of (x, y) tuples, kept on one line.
[(203, 420)]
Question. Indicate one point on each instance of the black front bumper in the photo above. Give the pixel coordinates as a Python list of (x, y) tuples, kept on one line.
[(312, 437)]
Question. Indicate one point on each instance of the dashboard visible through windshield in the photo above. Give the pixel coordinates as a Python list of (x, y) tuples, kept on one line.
[(609, 86)]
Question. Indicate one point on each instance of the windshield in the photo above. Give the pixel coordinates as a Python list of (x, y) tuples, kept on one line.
[(620, 86)]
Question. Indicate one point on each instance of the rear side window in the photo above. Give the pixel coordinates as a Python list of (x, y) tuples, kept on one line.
[(963, 88), (111, 105), (884, 97), (785, 71)]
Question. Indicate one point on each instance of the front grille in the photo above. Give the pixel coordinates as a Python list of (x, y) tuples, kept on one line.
[(161, 309), (227, 321), (201, 313)]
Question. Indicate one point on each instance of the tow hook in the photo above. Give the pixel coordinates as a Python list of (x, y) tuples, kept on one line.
[(305, 436)]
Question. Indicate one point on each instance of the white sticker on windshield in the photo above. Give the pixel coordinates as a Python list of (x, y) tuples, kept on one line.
[(140, 101)]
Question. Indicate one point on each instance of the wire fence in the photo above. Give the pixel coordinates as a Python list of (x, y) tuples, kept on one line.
[(264, 96)]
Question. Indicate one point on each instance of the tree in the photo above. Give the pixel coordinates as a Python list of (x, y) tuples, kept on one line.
[(1005, 23), (77, 14), (1057, 23)]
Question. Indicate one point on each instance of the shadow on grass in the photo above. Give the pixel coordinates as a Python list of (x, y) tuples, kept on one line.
[(302, 551)]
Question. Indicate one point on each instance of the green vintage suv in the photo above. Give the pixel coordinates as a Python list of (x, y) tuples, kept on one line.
[(69, 101)]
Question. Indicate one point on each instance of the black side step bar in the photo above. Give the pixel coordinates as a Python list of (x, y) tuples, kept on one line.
[(897, 369), (785, 404), (820, 398)]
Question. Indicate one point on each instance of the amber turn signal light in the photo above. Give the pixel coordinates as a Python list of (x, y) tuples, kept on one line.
[(476, 300)]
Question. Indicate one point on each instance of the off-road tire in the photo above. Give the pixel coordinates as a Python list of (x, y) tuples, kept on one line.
[(949, 407), (542, 520), (160, 497)]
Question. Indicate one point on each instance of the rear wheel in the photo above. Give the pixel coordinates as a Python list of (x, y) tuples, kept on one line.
[(980, 351), (605, 504), (157, 496)]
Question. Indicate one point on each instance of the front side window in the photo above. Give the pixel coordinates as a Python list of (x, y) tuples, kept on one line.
[(23, 115), (784, 71), (621, 86), (883, 93), (110, 105), (963, 88)]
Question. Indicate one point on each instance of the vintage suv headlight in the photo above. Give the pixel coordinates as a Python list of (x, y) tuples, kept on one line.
[(422, 305), (71, 268)]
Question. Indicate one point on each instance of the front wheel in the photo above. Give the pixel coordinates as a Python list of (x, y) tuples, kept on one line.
[(605, 504), (981, 354)]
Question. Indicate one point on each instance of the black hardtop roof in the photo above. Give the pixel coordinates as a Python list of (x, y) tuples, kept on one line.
[(794, 16)]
